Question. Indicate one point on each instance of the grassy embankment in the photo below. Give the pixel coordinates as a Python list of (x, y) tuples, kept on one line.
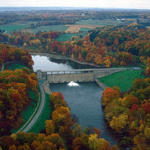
[(45, 115), (28, 111), (122, 79)]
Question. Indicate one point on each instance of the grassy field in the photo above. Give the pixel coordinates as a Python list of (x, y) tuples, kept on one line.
[(84, 29), (10, 28), (67, 37), (14, 66), (49, 28), (45, 115), (99, 22), (122, 79)]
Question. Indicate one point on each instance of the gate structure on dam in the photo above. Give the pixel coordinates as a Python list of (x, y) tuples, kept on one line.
[(76, 75)]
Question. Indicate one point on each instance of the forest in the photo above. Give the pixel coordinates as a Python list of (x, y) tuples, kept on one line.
[(62, 130), (127, 113), (108, 46), (57, 15)]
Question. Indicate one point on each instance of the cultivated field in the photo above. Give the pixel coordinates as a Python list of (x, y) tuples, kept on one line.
[(10, 28), (76, 28)]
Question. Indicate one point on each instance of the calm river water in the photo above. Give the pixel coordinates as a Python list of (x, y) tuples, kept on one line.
[(84, 100)]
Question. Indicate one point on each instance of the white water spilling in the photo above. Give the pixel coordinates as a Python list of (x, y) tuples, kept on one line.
[(73, 84)]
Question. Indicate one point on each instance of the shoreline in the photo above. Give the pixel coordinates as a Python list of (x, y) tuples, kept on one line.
[(59, 57)]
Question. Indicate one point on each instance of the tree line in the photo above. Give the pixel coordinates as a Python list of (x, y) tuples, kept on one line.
[(61, 132), (128, 113), (105, 46)]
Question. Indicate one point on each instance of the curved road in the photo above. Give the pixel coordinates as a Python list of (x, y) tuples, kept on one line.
[(33, 120), (28, 125)]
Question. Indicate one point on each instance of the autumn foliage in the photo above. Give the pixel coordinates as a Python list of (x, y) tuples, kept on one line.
[(130, 113), (14, 86)]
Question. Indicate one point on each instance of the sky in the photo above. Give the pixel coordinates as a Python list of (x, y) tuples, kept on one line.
[(134, 4)]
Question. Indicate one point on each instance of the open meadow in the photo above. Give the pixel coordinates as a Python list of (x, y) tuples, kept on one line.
[(49, 28), (68, 36), (122, 79), (10, 28)]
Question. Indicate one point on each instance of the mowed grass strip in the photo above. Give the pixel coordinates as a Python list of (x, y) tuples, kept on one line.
[(45, 115), (122, 79)]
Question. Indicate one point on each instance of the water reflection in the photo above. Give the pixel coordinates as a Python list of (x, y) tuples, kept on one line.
[(43, 63)]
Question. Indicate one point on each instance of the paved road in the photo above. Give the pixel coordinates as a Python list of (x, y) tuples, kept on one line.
[(33, 120), (28, 125)]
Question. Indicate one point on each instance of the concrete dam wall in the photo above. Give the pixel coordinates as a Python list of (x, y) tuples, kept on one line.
[(79, 75)]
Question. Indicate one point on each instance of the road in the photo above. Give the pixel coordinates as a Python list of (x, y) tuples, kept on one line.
[(38, 112), (28, 125)]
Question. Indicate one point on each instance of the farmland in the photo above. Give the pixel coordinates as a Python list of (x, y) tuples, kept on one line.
[(49, 28), (84, 29), (99, 22), (68, 36), (10, 28), (77, 28)]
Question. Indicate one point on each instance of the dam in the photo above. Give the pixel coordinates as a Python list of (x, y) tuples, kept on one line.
[(76, 75)]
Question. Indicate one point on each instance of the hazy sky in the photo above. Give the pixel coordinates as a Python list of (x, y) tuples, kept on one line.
[(136, 4)]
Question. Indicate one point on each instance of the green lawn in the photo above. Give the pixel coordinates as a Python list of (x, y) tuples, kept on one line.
[(14, 66), (45, 115), (50, 28), (68, 36), (122, 79)]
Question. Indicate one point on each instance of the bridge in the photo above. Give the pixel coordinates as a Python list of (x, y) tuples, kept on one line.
[(76, 75)]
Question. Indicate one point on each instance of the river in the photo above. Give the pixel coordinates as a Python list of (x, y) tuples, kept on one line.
[(84, 100)]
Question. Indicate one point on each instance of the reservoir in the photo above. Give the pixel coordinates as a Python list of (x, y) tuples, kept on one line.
[(83, 100)]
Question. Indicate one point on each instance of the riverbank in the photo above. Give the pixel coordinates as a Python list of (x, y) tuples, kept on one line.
[(60, 57)]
